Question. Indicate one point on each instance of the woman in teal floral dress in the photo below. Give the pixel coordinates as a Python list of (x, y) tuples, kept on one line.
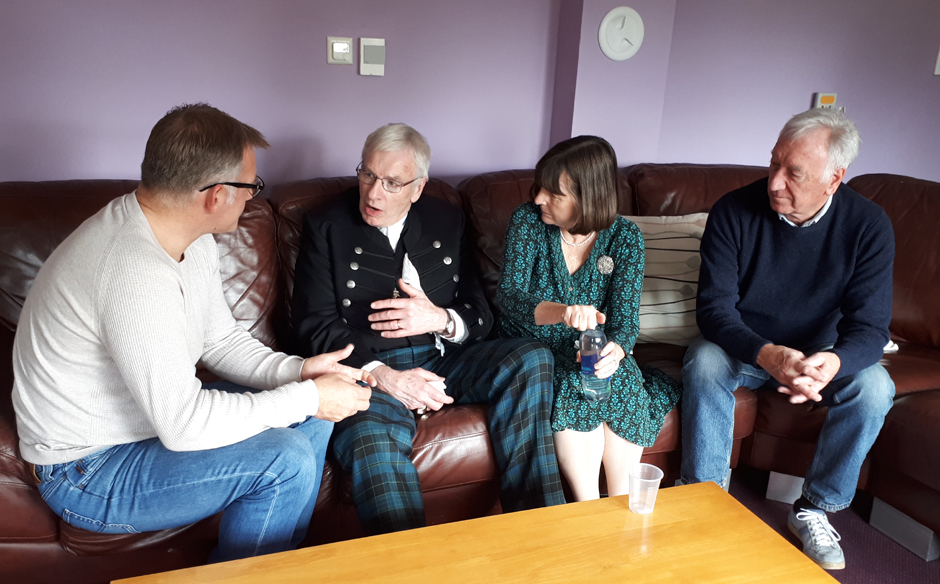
[(570, 263)]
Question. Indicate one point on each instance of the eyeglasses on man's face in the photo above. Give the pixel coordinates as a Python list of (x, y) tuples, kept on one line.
[(253, 188), (367, 177)]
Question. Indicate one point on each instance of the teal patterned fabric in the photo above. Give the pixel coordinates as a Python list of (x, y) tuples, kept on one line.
[(534, 271)]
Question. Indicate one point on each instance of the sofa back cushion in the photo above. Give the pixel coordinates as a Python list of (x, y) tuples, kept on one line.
[(913, 206), (250, 270), (681, 189), (489, 201), (291, 200)]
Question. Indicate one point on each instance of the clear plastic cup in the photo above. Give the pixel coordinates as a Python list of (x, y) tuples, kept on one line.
[(644, 486)]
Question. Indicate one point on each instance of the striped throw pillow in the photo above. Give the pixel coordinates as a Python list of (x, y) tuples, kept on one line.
[(670, 284)]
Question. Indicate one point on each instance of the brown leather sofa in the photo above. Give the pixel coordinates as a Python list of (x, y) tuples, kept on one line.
[(452, 450)]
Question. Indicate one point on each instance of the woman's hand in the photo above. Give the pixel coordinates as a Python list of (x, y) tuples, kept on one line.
[(611, 356), (581, 317)]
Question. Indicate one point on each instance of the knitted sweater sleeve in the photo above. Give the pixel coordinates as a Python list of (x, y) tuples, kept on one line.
[(142, 318), (866, 306), (716, 311), (229, 350)]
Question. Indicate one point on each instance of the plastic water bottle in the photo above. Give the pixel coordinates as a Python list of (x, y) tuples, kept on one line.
[(593, 388)]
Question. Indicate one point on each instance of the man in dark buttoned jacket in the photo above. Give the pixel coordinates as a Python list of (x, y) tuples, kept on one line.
[(390, 272)]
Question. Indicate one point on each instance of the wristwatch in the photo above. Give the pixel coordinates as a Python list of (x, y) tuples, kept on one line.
[(451, 327)]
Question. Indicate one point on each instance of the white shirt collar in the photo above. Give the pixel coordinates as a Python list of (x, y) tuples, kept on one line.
[(815, 218), (393, 231)]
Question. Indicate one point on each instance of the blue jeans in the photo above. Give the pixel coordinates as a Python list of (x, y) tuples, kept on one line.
[(267, 485), (857, 405)]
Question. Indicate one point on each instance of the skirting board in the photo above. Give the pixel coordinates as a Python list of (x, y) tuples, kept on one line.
[(916, 537), (784, 488)]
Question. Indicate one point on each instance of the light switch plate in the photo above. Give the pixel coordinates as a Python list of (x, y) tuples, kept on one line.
[(339, 50), (371, 56)]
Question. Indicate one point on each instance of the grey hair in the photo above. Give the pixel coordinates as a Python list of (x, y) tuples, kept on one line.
[(395, 137), (843, 135)]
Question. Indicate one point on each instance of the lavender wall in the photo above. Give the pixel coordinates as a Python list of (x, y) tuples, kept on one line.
[(82, 83), (622, 101), (740, 68)]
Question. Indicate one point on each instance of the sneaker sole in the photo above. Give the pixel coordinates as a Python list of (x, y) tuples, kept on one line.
[(823, 565)]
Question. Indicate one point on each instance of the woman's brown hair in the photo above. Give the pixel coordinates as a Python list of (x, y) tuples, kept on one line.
[(590, 164)]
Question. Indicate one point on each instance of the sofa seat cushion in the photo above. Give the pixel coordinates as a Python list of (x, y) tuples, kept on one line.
[(25, 517), (913, 368), (87, 543), (906, 458), (663, 356), (909, 442), (453, 448)]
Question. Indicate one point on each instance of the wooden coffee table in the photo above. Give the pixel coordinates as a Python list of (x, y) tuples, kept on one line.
[(697, 533)]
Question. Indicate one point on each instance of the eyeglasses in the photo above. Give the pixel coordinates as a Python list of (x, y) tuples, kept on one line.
[(367, 177), (253, 189)]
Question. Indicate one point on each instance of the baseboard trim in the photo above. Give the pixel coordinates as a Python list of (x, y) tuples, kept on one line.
[(915, 536), (784, 488)]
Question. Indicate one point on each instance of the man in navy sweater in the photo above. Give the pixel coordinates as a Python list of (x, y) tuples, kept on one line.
[(795, 294)]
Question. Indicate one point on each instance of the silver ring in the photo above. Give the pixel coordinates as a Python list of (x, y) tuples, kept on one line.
[(397, 324)]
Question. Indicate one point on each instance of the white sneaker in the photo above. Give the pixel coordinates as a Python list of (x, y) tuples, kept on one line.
[(820, 540)]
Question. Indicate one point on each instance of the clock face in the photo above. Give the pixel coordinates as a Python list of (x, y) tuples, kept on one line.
[(621, 33)]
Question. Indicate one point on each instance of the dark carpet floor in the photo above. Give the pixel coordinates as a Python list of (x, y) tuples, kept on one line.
[(870, 556)]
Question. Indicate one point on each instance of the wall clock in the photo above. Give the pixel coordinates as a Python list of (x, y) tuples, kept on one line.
[(621, 33)]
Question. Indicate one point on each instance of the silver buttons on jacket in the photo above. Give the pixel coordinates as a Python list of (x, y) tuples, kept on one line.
[(358, 250), (480, 320), (346, 302), (447, 261), (468, 306), (456, 278), (436, 244), (351, 284), (354, 266)]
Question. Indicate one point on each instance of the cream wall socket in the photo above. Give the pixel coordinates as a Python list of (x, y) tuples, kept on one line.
[(339, 50)]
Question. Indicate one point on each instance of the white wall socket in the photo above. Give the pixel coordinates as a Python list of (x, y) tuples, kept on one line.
[(339, 50)]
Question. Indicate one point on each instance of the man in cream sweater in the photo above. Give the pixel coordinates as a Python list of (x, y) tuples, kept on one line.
[(123, 436)]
